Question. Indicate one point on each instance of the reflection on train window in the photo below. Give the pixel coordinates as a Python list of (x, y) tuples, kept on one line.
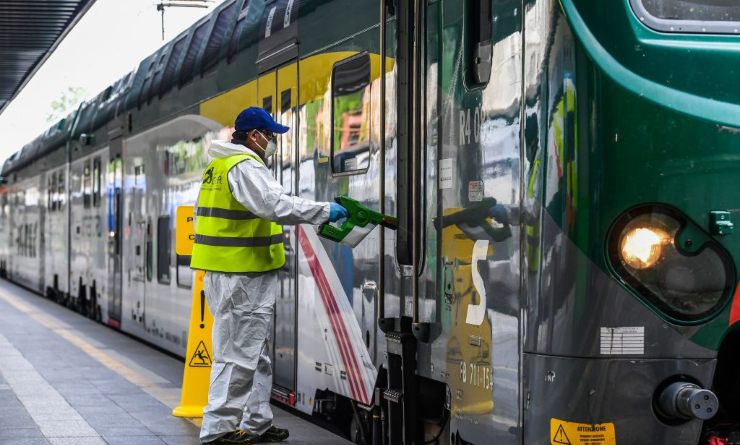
[(183, 157), (164, 249), (183, 272), (86, 185), (704, 10), (350, 92), (286, 139), (96, 182), (698, 16)]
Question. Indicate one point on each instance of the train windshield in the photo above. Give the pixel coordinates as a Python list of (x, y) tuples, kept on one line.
[(677, 11)]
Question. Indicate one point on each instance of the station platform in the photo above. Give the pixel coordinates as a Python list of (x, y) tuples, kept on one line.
[(66, 380)]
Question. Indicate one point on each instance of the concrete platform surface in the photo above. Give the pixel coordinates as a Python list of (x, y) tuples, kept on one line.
[(66, 380)]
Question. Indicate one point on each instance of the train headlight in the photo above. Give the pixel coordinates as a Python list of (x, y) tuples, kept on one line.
[(642, 247), (671, 263)]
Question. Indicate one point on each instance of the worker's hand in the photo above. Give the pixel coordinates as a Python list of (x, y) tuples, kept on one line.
[(337, 212), (499, 213)]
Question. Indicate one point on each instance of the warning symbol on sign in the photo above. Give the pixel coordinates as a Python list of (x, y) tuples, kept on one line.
[(201, 358), (561, 437), (563, 432)]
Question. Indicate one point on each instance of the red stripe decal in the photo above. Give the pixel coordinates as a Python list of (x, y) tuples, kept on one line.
[(316, 271), (735, 309), (343, 329), (336, 320), (339, 330)]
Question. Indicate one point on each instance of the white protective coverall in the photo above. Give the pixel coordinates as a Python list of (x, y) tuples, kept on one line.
[(243, 306)]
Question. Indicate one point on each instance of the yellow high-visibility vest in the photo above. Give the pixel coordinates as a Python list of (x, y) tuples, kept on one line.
[(228, 237)]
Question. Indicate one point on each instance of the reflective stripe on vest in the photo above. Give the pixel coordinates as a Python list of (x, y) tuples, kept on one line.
[(225, 213), (237, 241), (228, 237)]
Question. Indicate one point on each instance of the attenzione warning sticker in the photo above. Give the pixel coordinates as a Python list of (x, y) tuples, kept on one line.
[(572, 433)]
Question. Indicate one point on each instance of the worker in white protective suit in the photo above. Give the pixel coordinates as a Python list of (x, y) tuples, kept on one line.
[(239, 243)]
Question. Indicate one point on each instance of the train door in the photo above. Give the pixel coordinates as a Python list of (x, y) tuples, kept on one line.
[(278, 94), (139, 234), (478, 95), (114, 179)]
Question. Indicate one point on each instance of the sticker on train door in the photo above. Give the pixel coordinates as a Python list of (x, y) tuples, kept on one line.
[(572, 433)]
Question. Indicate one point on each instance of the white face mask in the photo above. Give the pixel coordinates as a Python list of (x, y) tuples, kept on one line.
[(271, 146)]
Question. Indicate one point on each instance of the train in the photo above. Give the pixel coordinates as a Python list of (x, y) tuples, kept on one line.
[(564, 177)]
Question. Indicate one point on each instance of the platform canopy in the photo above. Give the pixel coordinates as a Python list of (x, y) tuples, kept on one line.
[(30, 30)]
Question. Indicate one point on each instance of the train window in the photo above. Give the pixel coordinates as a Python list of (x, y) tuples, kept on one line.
[(168, 78), (196, 43), (213, 49), (146, 88), (480, 47), (350, 92), (157, 76), (34, 237), (695, 16), (164, 249), (51, 184), (97, 179), (86, 185), (61, 191), (241, 25), (183, 273), (148, 250)]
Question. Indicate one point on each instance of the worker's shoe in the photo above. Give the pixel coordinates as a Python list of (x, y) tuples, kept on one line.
[(236, 438), (274, 434)]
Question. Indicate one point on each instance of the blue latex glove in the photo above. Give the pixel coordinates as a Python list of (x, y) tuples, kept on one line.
[(499, 213), (337, 212)]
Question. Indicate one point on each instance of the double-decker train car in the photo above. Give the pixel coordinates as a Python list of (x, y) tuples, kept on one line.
[(565, 267)]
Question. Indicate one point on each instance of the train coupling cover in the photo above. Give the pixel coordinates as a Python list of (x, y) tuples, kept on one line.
[(358, 225)]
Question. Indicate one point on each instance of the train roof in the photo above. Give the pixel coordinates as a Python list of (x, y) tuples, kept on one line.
[(224, 32), (174, 64)]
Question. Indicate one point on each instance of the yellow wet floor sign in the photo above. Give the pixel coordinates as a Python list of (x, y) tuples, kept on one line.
[(198, 357), (573, 433)]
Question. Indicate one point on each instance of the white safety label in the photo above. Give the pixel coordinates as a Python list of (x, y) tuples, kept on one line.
[(475, 191), (446, 172), (623, 340)]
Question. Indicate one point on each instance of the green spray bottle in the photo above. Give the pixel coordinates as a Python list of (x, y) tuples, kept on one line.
[(358, 225)]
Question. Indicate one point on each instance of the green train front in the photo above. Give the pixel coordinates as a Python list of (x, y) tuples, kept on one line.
[(594, 299), (630, 132)]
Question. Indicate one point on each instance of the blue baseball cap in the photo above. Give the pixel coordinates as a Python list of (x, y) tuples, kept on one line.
[(256, 118)]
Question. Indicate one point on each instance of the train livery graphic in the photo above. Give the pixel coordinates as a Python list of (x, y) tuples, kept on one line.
[(565, 177)]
